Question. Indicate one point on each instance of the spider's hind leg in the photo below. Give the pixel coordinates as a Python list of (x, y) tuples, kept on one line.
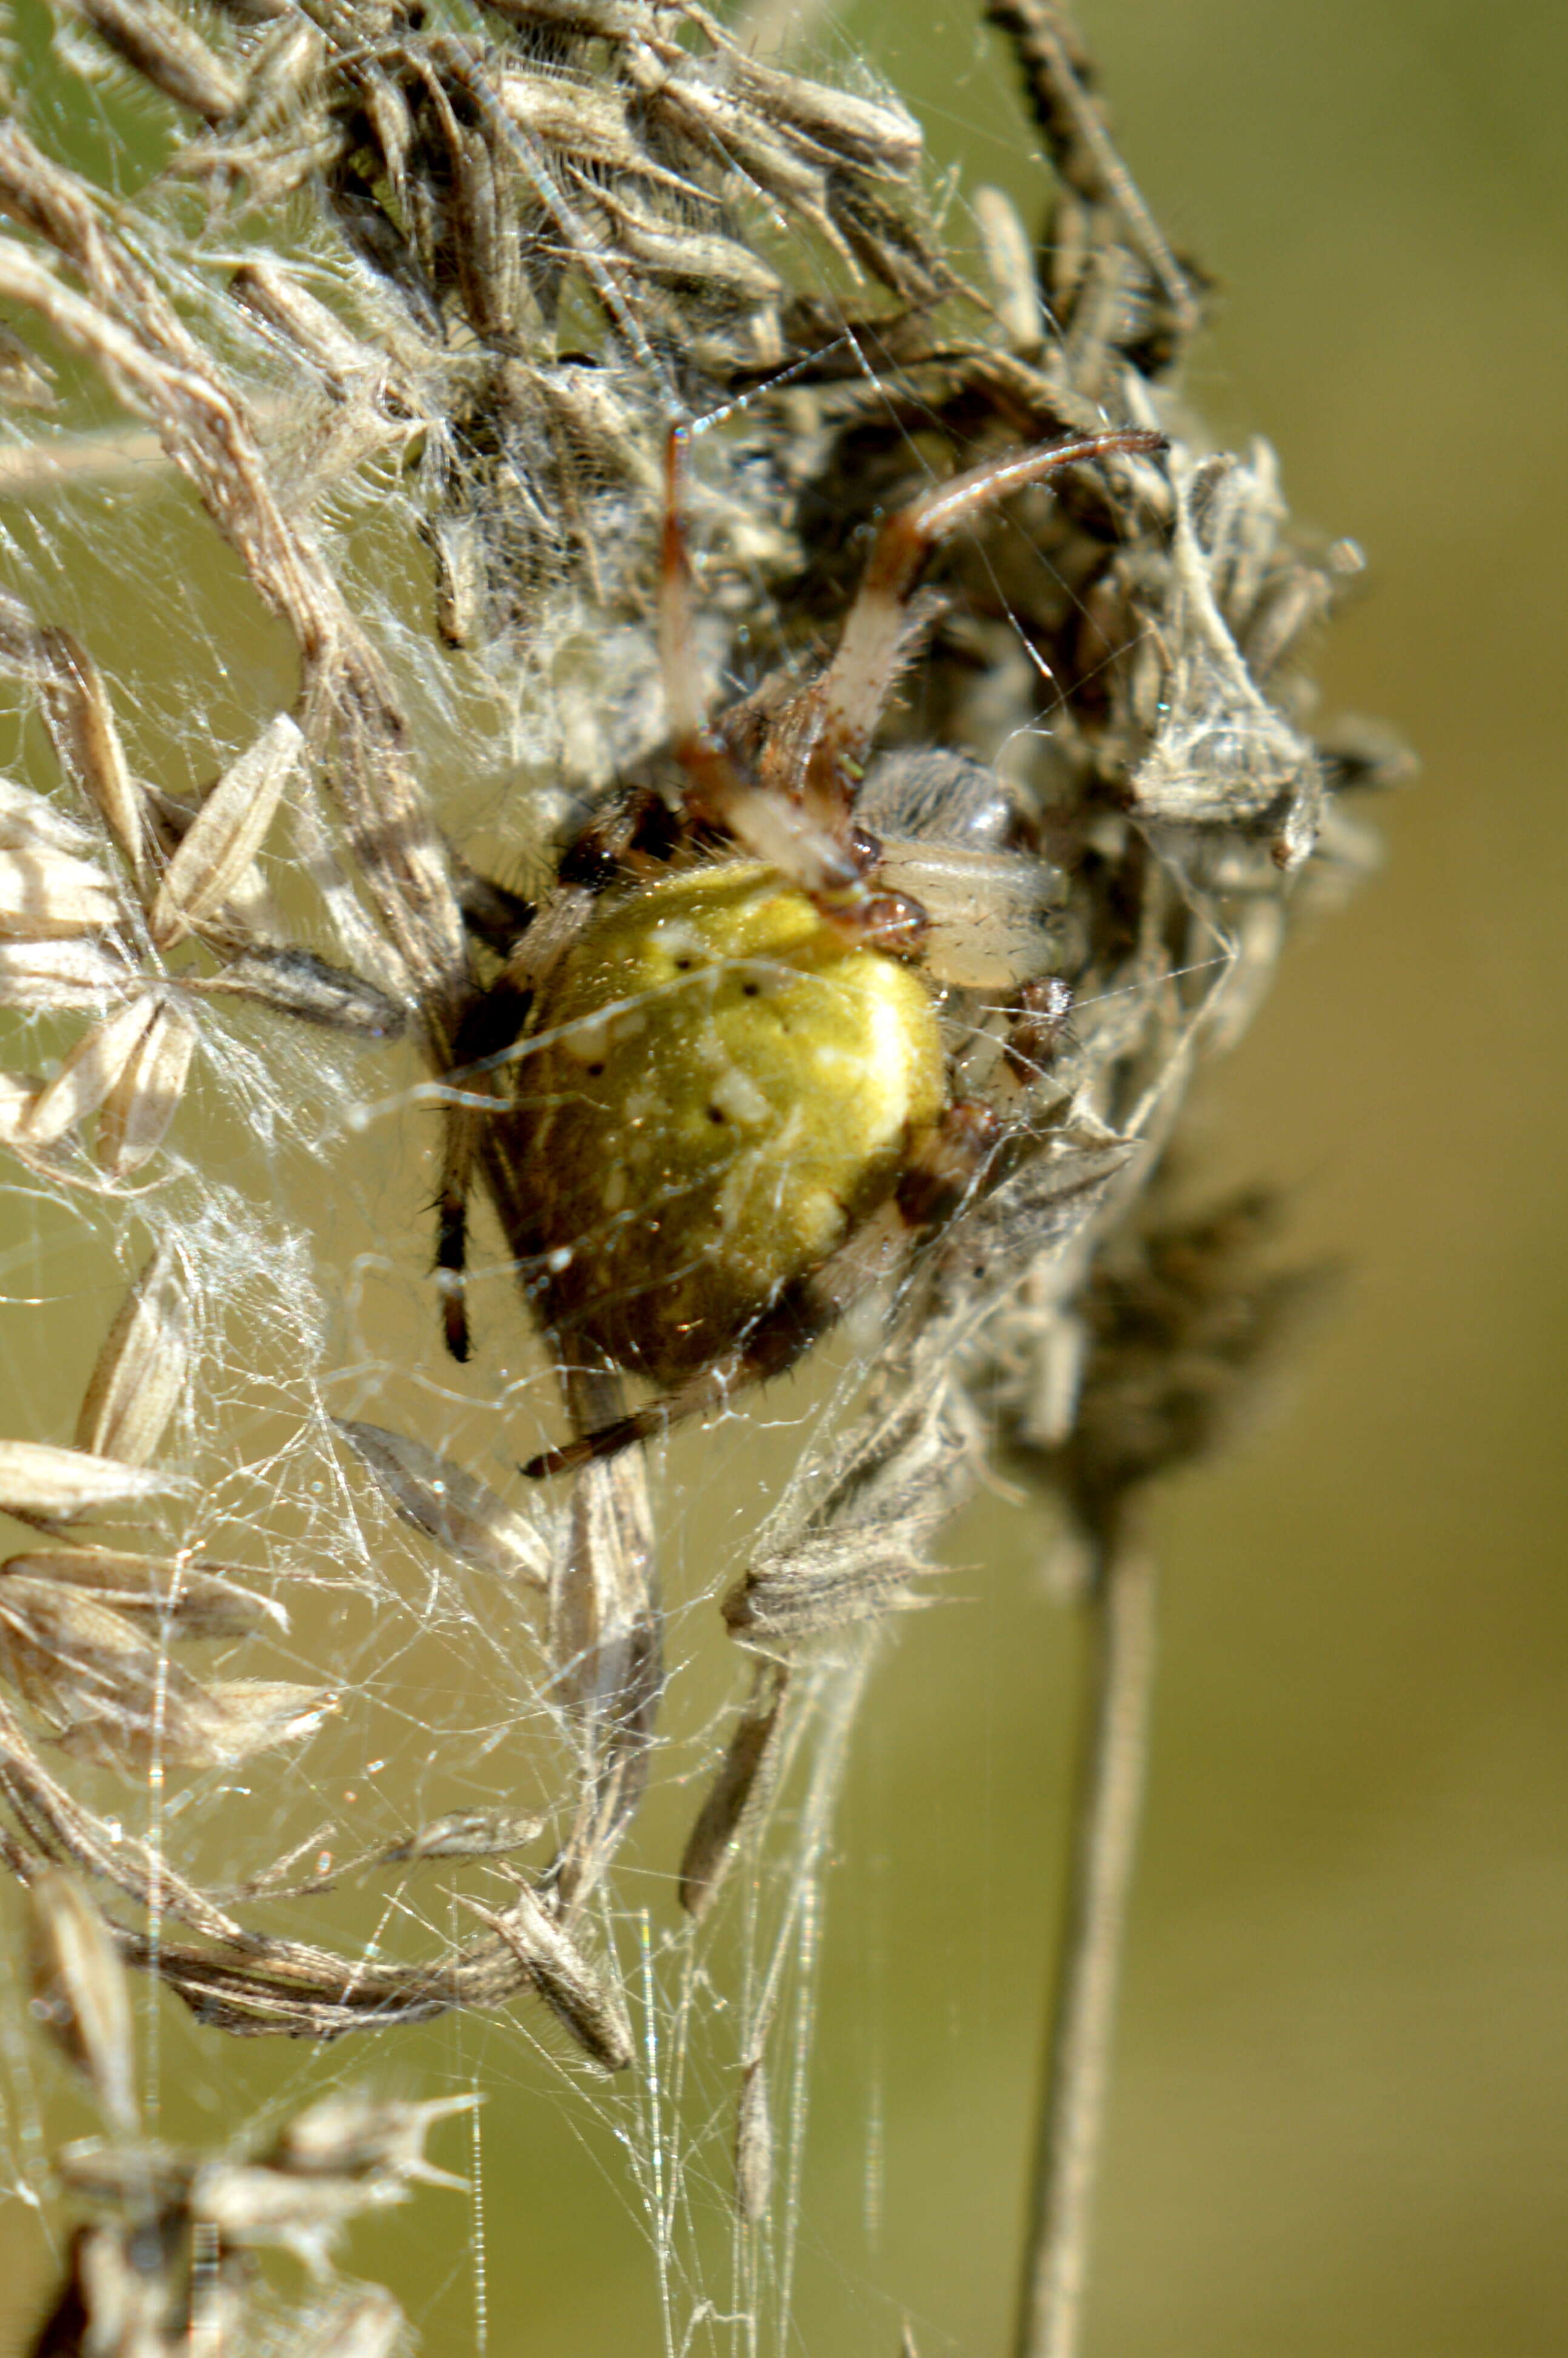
[(801, 1312), (944, 1169)]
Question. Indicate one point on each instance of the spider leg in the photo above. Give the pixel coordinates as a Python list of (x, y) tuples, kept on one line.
[(1040, 1026), (499, 917), (943, 1169), (715, 1384), (772, 827), (803, 1313), (489, 1026), (452, 1227), (856, 686)]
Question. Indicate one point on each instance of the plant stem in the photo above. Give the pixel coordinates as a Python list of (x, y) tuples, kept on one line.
[(1120, 1675)]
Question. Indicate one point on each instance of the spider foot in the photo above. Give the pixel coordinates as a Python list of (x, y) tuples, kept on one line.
[(946, 1165), (710, 1388), (455, 1331)]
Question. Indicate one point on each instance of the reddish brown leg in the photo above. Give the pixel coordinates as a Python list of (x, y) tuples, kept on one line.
[(857, 683), (710, 1390), (772, 827), (950, 1159), (803, 1313)]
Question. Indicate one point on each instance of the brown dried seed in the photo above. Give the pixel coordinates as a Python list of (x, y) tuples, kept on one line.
[(590, 2007), (606, 1643), (1225, 758), (712, 117), (138, 1108), (59, 1622), (877, 134), (604, 1617), (111, 1696), (296, 982), (249, 2204), (277, 297), (473, 217), (86, 736), (825, 1583), (587, 125), (465, 1834), (743, 1779), (49, 977), (685, 257), (1010, 259), (169, 53), (79, 1993), (90, 1073), (754, 2145), (46, 892), (70, 1657), (140, 1374), (279, 72), (236, 1719), (357, 2135), (38, 1480), (186, 1600), (226, 833), (437, 1498), (29, 821), (156, 1715)]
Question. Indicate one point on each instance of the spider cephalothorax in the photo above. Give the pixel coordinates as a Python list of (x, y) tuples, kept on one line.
[(727, 1108)]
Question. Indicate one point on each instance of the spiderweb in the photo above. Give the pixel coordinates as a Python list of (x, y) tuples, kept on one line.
[(342, 343)]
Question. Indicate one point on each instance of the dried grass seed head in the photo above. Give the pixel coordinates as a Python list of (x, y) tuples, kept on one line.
[(524, 278)]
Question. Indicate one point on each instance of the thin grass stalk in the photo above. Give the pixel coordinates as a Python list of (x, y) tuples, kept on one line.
[(1120, 1607)]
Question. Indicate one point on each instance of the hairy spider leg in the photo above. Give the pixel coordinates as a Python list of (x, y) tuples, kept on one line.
[(490, 1025), (805, 832), (772, 827), (854, 690)]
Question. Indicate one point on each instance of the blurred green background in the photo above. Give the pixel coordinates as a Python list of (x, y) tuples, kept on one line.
[(1341, 2116), (1340, 2120)]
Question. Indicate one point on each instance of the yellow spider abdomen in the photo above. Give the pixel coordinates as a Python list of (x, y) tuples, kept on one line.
[(716, 1088)]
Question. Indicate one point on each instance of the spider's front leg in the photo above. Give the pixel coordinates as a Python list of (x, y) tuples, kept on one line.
[(796, 814), (854, 691), (827, 862)]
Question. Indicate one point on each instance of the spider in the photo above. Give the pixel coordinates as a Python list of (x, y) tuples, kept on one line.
[(727, 1108)]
